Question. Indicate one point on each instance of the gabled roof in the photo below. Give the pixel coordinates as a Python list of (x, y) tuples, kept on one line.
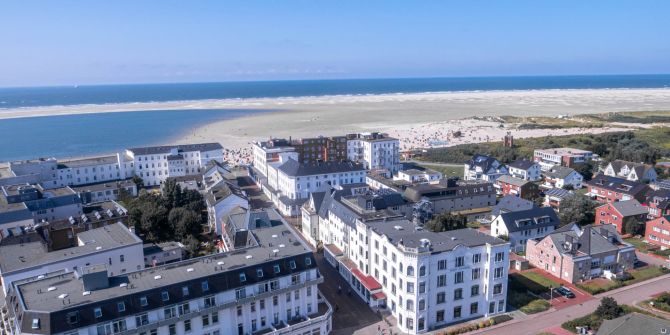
[(511, 203), (628, 207), (522, 164), (634, 323), (530, 219), (640, 168), (588, 240), (618, 184), (557, 192), (483, 161), (559, 172)]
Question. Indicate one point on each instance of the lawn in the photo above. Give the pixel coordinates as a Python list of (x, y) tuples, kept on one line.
[(601, 285), (644, 247), (447, 171), (520, 284)]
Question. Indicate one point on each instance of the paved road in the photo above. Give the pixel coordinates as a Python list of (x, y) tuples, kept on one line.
[(536, 323), (651, 259)]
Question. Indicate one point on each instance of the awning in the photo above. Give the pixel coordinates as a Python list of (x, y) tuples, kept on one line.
[(333, 250), (368, 281), (379, 296)]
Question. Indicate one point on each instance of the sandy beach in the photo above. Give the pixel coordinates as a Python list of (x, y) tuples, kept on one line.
[(418, 120)]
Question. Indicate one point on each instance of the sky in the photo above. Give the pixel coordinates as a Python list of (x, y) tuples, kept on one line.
[(63, 42)]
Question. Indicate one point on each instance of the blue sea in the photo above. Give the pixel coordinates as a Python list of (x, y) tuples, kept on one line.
[(88, 134)]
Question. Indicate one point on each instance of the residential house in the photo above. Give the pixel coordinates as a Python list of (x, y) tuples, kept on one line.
[(574, 254), (221, 199), (631, 171), (554, 196), (451, 195), (658, 203), (163, 253), (657, 232), (508, 185), (628, 216), (482, 167), (634, 323), (610, 189), (521, 226), (418, 175), (525, 169), (561, 176)]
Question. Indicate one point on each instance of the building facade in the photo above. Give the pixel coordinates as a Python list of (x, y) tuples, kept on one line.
[(631, 171), (376, 151), (657, 232), (524, 169), (508, 185), (485, 168), (567, 157), (628, 216), (521, 226), (608, 189)]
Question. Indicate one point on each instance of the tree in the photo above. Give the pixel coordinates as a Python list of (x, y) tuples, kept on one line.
[(576, 208), (633, 226), (585, 169), (568, 187), (184, 222), (154, 222), (446, 222), (192, 245), (609, 309), (139, 182)]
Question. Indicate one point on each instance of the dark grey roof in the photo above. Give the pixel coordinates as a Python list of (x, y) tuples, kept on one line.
[(483, 161), (530, 219), (621, 185), (181, 147), (640, 168), (405, 232), (557, 192), (446, 189), (630, 207), (292, 168), (634, 323), (523, 164), (511, 203), (76, 163), (590, 239)]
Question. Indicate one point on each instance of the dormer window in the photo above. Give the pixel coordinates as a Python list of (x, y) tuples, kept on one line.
[(205, 286), (259, 273), (243, 277), (97, 312), (121, 306), (36, 324), (308, 261), (165, 295), (276, 268), (291, 264), (143, 301)]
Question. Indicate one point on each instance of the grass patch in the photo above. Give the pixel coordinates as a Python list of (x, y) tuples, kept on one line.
[(535, 306), (474, 225), (636, 276), (447, 171), (534, 282), (644, 247)]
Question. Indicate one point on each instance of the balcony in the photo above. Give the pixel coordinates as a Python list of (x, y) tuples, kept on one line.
[(323, 314)]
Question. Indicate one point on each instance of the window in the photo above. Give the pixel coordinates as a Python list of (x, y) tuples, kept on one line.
[(476, 258), (410, 287), (457, 312), (259, 273), (215, 317), (243, 277), (165, 296), (205, 286), (240, 293), (205, 320), (276, 268), (500, 256), (422, 271), (72, 317), (143, 301), (442, 265), (422, 287), (441, 280), (422, 305), (497, 289), (492, 307), (498, 272), (439, 316), (184, 291), (142, 319), (441, 298), (501, 305), (97, 312), (308, 261), (475, 274), (184, 309), (187, 325), (474, 290), (474, 308), (410, 270), (170, 312), (458, 277), (239, 310), (119, 326), (210, 302), (36, 324), (460, 261), (121, 306), (458, 294), (291, 264)]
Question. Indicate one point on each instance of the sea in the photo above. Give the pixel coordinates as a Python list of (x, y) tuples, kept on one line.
[(98, 133)]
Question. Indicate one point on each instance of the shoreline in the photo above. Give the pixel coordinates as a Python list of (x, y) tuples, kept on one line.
[(655, 95)]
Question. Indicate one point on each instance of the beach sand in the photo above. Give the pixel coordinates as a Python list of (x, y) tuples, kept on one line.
[(416, 119)]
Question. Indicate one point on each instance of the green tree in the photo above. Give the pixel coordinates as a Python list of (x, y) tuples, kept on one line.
[(154, 222), (576, 208), (192, 245), (139, 182), (585, 169), (185, 222), (446, 222), (633, 227), (609, 309)]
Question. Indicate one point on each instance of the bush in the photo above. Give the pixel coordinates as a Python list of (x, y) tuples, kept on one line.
[(536, 306)]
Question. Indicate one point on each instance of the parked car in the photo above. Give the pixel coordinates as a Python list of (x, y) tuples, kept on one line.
[(565, 292)]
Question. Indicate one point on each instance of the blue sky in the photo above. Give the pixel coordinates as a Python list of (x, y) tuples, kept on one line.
[(92, 42)]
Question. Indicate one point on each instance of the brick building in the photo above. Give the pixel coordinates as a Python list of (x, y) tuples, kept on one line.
[(623, 214), (607, 189), (657, 232), (508, 185)]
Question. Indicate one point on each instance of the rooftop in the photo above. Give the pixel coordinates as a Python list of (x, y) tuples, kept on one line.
[(110, 185), (292, 168), (564, 151), (165, 149), (18, 254), (90, 161), (628, 207), (275, 245)]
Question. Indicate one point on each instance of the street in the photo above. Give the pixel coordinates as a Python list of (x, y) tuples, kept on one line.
[(536, 323)]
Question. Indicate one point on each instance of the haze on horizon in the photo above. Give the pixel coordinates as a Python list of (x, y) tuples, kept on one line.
[(67, 42)]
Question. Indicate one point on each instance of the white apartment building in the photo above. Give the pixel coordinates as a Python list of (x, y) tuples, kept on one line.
[(113, 245), (374, 151), (526, 170), (93, 170), (482, 167), (290, 183), (418, 176), (427, 280), (259, 289), (521, 226), (568, 157), (155, 164), (268, 152)]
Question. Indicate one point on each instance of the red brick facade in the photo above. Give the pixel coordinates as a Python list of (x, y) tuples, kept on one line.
[(657, 232), (608, 214)]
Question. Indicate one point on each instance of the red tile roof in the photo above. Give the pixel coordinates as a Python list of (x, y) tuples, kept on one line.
[(368, 281)]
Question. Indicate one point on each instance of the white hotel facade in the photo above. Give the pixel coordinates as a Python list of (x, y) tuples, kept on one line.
[(427, 280)]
